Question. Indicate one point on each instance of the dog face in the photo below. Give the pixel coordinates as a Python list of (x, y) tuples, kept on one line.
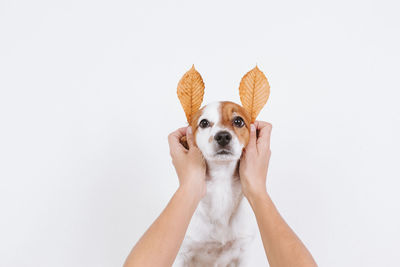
[(221, 131)]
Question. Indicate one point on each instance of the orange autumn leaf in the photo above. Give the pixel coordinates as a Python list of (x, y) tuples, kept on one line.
[(190, 92), (254, 92)]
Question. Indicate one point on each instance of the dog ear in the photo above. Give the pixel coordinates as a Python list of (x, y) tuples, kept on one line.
[(254, 92), (184, 142), (190, 92)]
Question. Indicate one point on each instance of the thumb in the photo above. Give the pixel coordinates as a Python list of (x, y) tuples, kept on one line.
[(189, 137), (253, 138)]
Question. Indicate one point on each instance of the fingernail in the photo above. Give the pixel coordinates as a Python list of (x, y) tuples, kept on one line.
[(189, 130), (252, 127)]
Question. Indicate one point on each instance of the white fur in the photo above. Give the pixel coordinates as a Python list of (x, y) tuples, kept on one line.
[(212, 112), (218, 233)]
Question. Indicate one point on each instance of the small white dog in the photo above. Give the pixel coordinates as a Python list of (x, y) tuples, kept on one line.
[(219, 231)]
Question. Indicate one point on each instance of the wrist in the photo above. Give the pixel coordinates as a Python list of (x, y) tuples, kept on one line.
[(257, 196), (191, 191)]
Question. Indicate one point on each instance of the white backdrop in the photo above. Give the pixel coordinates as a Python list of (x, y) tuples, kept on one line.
[(88, 97)]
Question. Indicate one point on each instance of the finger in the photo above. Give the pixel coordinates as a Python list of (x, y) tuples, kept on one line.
[(251, 146), (264, 137), (181, 131), (189, 137), (174, 140), (261, 124), (176, 135)]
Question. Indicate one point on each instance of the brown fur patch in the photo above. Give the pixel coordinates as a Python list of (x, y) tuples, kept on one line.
[(229, 111)]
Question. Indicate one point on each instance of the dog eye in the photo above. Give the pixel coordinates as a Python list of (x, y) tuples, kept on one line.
[(204, 123), (238, 122)]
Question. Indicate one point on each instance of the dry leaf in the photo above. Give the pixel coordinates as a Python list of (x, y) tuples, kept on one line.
[(190, 92), (254, 92)]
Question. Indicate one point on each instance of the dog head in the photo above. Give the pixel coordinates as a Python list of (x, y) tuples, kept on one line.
[(221, 130)]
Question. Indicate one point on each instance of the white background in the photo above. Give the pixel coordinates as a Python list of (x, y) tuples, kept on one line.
[(88, 97)]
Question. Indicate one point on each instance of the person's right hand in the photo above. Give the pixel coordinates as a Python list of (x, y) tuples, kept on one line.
[(254, 162), (189, 163)]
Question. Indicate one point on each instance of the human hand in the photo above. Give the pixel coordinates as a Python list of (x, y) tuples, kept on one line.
[(254, 162), (189, 163)]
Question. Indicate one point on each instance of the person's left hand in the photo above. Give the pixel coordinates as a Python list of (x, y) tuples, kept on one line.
[(254, 162), (189, 163)]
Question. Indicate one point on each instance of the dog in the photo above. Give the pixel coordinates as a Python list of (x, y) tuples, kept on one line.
[(221, 228), (219, 231)]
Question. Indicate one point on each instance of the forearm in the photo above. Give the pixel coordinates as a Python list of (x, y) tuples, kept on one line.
[(161, 242), (282, 246)]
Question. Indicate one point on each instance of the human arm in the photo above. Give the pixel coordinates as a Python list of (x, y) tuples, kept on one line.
[(282, 246), (160, 244)]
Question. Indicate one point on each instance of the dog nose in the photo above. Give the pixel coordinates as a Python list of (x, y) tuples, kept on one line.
[(223, 138)]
